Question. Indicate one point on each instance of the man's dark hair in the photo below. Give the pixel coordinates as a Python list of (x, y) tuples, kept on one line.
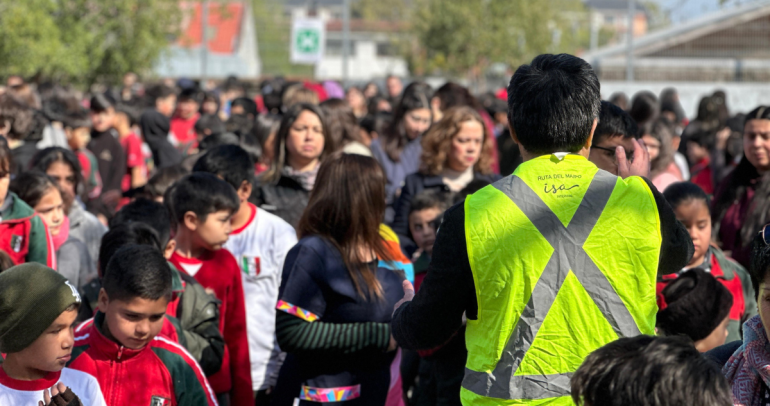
[(645, 107), (77, 119), (702, 134), (137, 271), (147, 212), (160, 92), (216, 140), (15, 114), (122, 234), (230, 162), (162, 180), (202, 194), (210, 122), (614, 122), (101, 102), (552, 103), (249, 106), (190, 94), (239, 124), (649, 371)]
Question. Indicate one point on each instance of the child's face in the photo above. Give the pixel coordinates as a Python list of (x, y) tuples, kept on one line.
[(213, 233), (51, 209), (695, 152), (132, 323), (422, 228), (716, 338), (51, 351), (122, 123), (78, 138), (103, 120), (695, 216), (65, 177), (187, 108), (166, 106)]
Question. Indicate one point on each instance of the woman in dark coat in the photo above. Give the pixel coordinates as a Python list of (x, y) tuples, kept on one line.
[(455, 152), (301, 144)]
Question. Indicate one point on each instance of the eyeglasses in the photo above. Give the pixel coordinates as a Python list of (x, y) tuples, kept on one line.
[(765, 232)]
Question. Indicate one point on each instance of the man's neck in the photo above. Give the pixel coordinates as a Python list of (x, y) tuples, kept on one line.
[(16, 370), (241, 217), (185, 245)]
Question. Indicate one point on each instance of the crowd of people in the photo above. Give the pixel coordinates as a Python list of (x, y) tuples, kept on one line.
[(175, 244)]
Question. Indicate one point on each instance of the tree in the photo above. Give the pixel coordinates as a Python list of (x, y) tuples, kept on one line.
[(84, 41), (463, 38)]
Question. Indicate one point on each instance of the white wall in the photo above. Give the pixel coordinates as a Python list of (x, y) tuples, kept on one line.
[(363, 65), (741, 97)]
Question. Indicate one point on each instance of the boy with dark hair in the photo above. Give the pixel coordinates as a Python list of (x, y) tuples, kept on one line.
[(110, 156), (159, 183), (122, 348), (259, 242), (37, 315), (136, 168), (201, 206), (424, 218), (77, 128), (23, 234), (196, 310), (615, 128), (649, 371), (183, 121)]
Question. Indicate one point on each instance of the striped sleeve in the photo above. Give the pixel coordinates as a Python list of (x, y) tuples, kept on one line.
[(190, 385), (298, 335), (40, 243)]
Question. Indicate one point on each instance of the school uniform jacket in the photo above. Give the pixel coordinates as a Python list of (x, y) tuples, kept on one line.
[(23, 234), (160, 374)]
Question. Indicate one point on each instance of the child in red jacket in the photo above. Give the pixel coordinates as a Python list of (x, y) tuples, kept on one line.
[(201, 206), (122, 348)]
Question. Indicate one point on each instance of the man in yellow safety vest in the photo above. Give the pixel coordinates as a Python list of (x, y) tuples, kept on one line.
[(551, 262)]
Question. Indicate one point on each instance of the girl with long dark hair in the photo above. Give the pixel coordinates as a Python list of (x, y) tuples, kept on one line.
[(337, 294), (398, 149)]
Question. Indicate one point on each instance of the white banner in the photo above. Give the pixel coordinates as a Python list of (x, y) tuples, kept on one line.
[(308, 40)]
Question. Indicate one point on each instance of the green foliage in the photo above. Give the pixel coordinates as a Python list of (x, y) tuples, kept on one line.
[(462, 38), (84, 41)]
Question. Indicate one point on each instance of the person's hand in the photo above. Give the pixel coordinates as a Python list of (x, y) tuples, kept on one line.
[(393, 344), (640, 166), (408, 294), (48, 394)]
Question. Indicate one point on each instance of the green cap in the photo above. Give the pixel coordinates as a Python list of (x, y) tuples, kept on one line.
[(32, 296)]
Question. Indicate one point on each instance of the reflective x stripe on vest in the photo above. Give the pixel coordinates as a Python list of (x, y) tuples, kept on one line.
[(568, 254)]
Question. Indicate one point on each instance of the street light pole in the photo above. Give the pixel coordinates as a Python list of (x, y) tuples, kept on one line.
[(345, 40)]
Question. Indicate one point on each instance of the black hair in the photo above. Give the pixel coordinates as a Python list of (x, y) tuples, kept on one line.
[(272, 90), (613, 122), (133, 114), (376, 122), (394, 139), (471, 188), (215, 140), (122, 234), (47, 157), (210, 96), (239, 124), (552, 103), (681, 192), (649, 371), (162, 180), (230, 162), (77, 119), (15, 114), (31, 186), (39, 122), (264, 125), (6, 159), (160, 92), (371, 105), (210, 122), (453, 95), (101, 102), (644, 107), (137, 271), (192, 94), (202, 194), (701, 134), (148, 212), (249, 106), (430, 199)]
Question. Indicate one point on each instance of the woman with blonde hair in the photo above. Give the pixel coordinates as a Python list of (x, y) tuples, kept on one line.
[(455, 152)]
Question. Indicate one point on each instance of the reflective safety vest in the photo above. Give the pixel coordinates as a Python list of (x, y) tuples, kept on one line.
[(564, 258)]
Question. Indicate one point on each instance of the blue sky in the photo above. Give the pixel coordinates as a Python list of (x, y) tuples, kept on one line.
[(682, 10)]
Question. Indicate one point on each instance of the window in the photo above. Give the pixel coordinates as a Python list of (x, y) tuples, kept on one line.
[(386, 49), (334, 47)]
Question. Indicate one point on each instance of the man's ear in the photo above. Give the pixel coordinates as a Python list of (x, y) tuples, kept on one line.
[(590, 139), (513, 134), (244, 191), (170, 247), (103, 300), (190, 221)]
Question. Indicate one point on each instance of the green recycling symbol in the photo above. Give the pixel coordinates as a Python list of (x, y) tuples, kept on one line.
[(308, 40)]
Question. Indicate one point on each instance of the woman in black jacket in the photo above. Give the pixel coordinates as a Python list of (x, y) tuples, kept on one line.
[(455, 152), (301, 144)]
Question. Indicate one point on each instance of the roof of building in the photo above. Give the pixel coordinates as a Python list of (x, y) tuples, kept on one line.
[(224, 26), (308, 3), (613, 5), (685, 32)]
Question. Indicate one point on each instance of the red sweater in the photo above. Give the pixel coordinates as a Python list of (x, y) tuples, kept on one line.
[(219, 271), (161, 373)]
